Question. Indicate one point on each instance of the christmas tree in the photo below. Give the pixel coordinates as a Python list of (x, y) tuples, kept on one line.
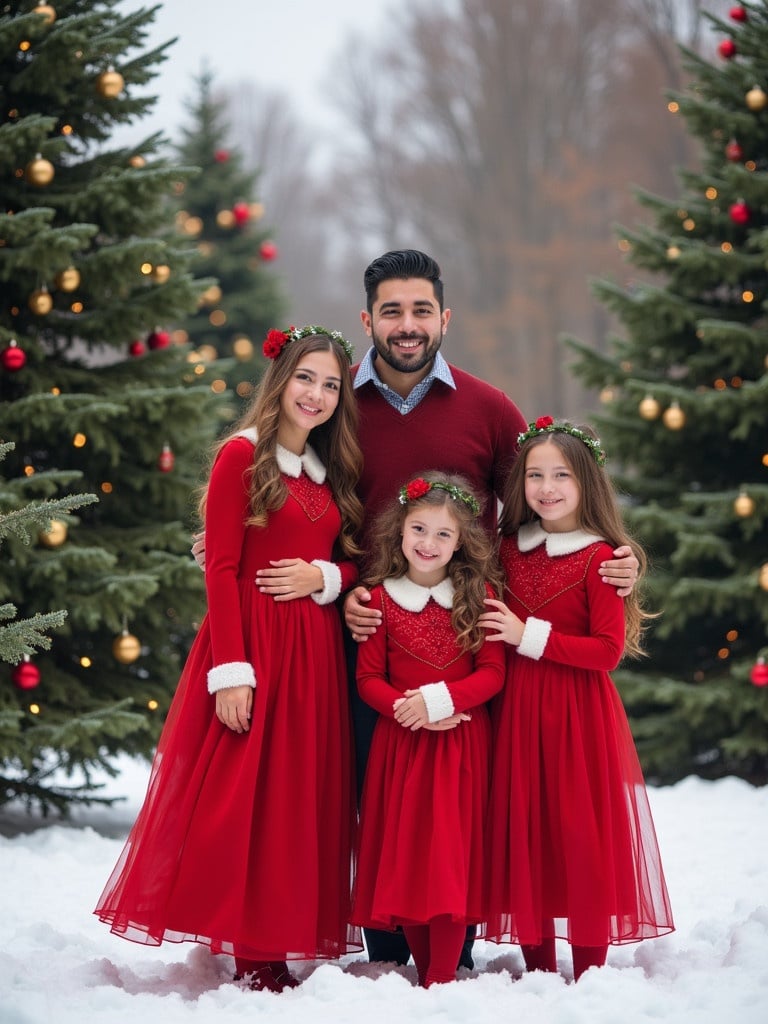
[(686, 390), (93, 396), (220, 211)]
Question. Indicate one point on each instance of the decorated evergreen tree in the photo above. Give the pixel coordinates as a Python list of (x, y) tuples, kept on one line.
[(92, 395), (686, 420), (220, 211)]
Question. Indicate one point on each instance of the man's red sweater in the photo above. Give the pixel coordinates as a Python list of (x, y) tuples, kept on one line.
[(471, 430)]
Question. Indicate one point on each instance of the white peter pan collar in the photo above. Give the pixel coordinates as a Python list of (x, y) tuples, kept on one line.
[(289, 462), (413, 597), (531, 535)]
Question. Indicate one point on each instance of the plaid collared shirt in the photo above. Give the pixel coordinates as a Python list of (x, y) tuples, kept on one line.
[(366, 371)]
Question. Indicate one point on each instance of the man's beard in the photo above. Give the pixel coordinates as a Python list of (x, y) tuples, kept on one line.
[(403, 365)]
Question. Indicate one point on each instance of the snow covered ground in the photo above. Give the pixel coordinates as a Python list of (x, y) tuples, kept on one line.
[(59, 965)]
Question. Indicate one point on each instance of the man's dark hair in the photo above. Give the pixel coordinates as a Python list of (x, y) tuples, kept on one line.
[(401, 264)]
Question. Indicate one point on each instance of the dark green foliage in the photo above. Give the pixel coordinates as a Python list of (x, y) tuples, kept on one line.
[(220, 212), (698, 337), (85, 416)]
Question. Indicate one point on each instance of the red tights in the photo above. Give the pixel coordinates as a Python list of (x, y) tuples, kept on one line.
[(543, 958), (436, 947)]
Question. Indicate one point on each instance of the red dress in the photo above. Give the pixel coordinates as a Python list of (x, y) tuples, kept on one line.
[(426, 793), (244, 840), (570, 830)]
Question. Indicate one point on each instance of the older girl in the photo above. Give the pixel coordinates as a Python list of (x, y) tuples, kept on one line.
[(244, 840)]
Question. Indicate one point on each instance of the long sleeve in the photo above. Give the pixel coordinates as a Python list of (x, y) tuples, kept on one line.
[(225, 515), (484, 682), (372, 673), (602, 647)]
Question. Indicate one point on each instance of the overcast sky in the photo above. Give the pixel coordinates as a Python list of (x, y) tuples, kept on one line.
[(282, 44)]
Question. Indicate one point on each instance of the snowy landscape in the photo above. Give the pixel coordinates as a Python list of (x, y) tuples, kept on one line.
[(59, 965)]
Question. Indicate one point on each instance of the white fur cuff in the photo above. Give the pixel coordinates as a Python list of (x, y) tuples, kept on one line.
[(438, 699), (331, 582), (535, 636), (233, 673)]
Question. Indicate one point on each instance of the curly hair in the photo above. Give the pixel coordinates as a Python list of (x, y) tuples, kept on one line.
[(472, 566), (599, 513), (335, 441)]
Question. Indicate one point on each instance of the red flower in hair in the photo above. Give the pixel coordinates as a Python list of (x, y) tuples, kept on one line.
[(417, 489), (543, 422), (274, 343)]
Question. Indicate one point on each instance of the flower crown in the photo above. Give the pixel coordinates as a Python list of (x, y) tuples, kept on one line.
[(546, 425), (417, 488), (276, 341)]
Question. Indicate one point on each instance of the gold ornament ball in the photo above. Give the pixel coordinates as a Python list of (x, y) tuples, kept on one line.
[(67, 280), (137, 160), (55, 535), (40, 302), (110, 84), (756, 98), (674, 417), (649, 408), (126, 648), (225, 219), (743, 505), (39, 172), (47, 12), (764, 576), (160, 273)]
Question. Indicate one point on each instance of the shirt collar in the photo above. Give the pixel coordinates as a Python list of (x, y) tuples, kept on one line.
[(413, 597), (531, 535), (291, 464), (366, 371)]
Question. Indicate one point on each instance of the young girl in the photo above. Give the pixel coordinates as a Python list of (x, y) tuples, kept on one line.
[(572, 851), (426, 785), (244, 840)]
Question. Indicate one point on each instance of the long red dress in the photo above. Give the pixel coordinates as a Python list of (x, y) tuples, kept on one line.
[(426, 793), (570, 830), (244, 841)]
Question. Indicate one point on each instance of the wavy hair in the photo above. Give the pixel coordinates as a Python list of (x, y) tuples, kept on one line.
[(599, 513), (472, 565), (335, 441)]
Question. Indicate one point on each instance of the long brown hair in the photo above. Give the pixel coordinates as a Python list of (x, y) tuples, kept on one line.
[(334, 441), (471, 566), (599, 513)]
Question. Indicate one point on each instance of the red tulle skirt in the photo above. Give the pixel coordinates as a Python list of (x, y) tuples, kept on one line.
[(244, 842), (571, 835), (422, 824)]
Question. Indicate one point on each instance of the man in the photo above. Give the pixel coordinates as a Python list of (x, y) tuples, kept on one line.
[(418, 413)]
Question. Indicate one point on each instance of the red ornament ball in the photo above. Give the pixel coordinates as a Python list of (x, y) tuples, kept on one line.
[(733, 151), (242, 213), (727, 49), (221, 156), (13, 358), (738, 13), (159, 339), (739, 212), (268, 250), (167, 459), (759, 673), (137, 348), (26, 676)]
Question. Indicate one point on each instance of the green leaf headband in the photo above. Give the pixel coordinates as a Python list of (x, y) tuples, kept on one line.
[(546, 425), (276, 341), (417, 488)]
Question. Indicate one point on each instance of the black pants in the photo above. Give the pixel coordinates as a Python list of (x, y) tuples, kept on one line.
[(382, 946)]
